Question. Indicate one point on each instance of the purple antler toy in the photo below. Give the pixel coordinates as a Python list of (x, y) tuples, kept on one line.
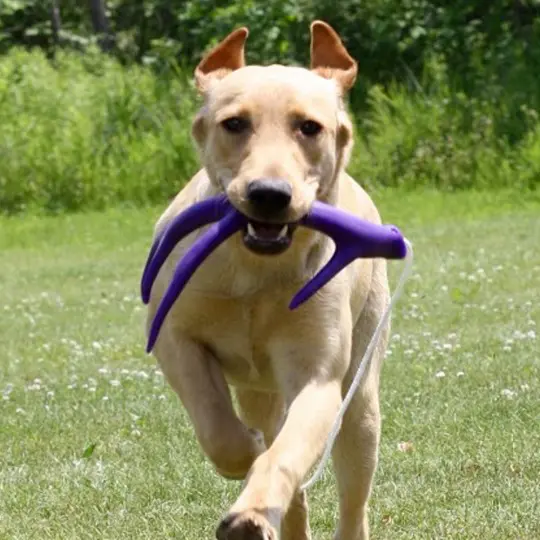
[(354, 238)]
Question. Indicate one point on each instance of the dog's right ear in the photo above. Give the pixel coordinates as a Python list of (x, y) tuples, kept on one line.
[(225, 57)]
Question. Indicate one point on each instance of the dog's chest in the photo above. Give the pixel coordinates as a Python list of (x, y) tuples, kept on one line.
[(237, 333)]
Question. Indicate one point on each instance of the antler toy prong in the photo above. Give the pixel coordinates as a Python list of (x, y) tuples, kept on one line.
[(354, 238), (196, 216), (193, 258)]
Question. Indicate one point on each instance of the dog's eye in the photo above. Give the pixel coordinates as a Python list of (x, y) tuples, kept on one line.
[(235, 124), (310, 128)]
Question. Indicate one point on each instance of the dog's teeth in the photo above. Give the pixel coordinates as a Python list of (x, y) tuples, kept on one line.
[(283, 231), (251, 230)]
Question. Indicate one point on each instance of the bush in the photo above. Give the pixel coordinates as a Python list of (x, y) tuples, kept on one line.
[(487, 46), (443, 138), (87, 132)]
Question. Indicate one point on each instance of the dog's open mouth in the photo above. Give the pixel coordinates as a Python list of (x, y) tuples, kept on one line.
[(268, 238)]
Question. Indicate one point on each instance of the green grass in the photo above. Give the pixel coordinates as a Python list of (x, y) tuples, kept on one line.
[(94, 444)]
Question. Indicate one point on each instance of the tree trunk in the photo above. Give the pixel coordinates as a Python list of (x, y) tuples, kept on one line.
[(101, 24), (56, 22)]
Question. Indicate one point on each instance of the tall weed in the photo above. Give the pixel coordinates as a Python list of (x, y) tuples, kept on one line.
[(86, 132), (442, 138)]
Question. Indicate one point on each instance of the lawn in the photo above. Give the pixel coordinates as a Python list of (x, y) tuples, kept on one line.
[(94, 444)]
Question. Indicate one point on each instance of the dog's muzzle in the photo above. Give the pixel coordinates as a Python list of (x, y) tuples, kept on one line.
[(268, 233), (354, 238), (269, 197)]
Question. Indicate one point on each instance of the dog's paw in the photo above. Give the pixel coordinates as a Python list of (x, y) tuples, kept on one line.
[(248, 525)]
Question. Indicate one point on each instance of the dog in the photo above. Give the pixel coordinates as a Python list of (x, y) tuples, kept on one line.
[(262, 384)]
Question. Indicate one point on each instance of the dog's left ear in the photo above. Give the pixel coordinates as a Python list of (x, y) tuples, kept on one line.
[(226, 56), (329, 58)]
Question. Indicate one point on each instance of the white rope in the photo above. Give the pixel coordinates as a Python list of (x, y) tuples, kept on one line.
[(362, 367)]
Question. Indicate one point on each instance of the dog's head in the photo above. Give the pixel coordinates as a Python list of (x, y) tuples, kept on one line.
[(274, 138)]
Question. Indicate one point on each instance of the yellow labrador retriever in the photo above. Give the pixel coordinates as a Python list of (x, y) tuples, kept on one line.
[(274, 139)]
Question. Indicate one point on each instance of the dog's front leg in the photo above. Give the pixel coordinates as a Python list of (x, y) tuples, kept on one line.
[(277, 474), (197, 378)]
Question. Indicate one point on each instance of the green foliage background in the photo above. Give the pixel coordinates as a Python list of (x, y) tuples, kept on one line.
[(447, 96)]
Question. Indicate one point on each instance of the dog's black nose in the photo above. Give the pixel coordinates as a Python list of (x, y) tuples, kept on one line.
[(269, 196)]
